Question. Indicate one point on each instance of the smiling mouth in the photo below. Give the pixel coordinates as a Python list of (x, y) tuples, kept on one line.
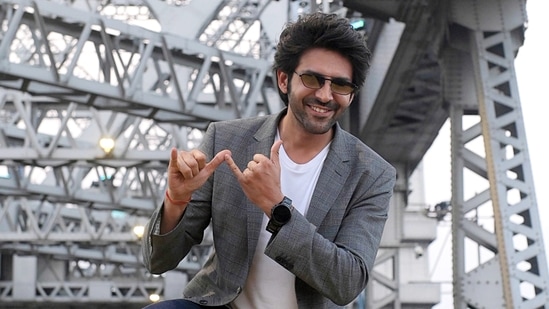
[(319, 109)]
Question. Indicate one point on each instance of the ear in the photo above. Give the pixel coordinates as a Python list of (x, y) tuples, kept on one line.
[(282, 79)]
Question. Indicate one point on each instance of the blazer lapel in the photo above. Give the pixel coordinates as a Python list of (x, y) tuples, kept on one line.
[(261, 143), (331, 180)]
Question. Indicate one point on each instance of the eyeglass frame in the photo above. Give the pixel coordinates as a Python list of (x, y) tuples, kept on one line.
[(321, 79)]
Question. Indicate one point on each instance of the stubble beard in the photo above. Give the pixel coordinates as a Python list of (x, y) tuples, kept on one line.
[(311, 124)]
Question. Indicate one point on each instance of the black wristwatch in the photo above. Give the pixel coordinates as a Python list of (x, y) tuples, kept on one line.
[(281, 213)]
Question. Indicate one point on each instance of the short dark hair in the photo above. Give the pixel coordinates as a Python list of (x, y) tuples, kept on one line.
[(320, 30)]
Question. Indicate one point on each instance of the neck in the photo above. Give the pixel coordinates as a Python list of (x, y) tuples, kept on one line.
[(301, 146)]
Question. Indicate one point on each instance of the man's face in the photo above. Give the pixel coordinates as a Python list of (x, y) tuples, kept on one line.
[(314, 102)]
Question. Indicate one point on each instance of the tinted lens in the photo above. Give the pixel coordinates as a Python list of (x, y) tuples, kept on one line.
[(315, 81), (341, 87), (312, 81)]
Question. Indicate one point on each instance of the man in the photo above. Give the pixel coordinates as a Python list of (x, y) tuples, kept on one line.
[(297, 205)]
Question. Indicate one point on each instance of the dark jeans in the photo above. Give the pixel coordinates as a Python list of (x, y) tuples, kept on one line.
[(179, 304)]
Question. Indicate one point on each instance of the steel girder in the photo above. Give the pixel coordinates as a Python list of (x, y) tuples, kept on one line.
[(140, 72), (498, 251), (66, 203), (145, 96), (408, 111), (52, 151)]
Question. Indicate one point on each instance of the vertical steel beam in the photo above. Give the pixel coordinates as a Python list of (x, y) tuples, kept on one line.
[(498, 251), (499, 258), (523, 263)]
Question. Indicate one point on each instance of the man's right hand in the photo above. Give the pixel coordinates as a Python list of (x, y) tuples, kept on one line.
[(187, 171)]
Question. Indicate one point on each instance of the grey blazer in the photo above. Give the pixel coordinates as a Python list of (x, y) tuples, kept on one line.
[(331, 250)]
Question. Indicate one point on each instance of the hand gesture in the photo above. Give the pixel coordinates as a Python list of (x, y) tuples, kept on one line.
[(188, 171), (260, 181)]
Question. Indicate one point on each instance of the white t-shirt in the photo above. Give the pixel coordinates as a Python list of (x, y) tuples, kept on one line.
[(269, 285)]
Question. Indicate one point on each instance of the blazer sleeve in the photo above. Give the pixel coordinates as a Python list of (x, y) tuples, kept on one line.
[(164, 252), (336, 257)]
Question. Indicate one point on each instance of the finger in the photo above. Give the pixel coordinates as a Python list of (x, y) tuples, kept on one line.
[(200, 158), (233, 166), (275, 149), (173, 158), (216, 161), (189, 164)]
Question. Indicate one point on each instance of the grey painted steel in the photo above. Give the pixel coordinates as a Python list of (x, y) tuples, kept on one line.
[(142, 73), (156, 89), (408, 110), (498, 251)]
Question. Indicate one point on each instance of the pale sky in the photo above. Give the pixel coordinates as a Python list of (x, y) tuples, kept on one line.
[(532, 68)]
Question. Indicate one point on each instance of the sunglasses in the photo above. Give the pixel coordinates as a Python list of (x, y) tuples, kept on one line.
[(337, 85)]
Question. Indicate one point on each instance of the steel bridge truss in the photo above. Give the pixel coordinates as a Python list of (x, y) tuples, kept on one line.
[(68, 208), (497, 246), (140, 72)]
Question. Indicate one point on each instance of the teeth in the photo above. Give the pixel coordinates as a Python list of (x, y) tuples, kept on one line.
[(319, 110)]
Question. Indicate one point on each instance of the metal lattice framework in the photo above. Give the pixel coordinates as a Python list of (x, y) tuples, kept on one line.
[(500, 224), (140, 72), (151, 75), (498, 249), (66, 202)]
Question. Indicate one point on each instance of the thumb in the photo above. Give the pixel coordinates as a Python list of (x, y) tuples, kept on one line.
[(275, 156)]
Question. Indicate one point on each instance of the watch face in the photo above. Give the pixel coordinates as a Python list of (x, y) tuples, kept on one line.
[(282, 214)]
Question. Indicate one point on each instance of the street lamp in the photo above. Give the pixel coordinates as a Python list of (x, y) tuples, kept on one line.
[(139, 230), (154, 297), (107, 144)]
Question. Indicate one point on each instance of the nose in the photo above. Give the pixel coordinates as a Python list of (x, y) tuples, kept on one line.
[(324, 93)]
